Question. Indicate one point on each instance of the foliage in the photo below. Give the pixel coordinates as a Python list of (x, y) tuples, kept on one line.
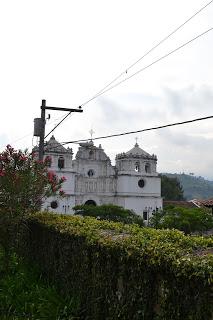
[(194, 187), (24, 295), (171, 188), (25, 182), (184, 219), (109, 212), (121, 271)]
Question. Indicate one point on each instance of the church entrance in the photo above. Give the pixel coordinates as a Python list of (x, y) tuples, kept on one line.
[(90, 203)]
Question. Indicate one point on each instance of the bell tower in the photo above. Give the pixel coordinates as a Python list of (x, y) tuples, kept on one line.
[(138, 183)]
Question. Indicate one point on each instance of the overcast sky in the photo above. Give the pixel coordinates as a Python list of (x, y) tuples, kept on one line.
[(66, 51)]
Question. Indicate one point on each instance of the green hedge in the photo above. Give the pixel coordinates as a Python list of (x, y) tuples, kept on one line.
[(119, 271), (109, 212)]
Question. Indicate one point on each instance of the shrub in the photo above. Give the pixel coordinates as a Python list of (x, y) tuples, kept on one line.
[(24, 183), (25, 295), (109, 212), (120, 271), (184, 219)]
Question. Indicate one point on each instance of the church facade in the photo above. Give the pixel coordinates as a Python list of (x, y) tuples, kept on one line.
[(132, 183)]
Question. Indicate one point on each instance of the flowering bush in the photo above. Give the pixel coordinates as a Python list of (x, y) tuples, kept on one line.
[(25, 182)]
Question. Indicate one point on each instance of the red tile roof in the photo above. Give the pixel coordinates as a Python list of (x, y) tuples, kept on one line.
[(185, 204), (201, 203)]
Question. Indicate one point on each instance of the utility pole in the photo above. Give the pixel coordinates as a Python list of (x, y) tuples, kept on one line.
[(39, 125), (42, 133)]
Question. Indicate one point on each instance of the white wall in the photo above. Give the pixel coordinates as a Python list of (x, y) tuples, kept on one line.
[(139, 204), (65, 204), (128, 185)]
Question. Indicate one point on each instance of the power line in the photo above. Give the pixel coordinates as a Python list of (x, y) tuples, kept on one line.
[(57, 124), (150, 65), (14, 141), (30, 133), (138, 131), (149, 51), (104, 89), (139, 71)]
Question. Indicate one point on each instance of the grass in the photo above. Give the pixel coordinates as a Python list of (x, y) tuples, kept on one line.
[(25, 295)]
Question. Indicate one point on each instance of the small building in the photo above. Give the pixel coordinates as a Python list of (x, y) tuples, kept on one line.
[(132, 183), (205, 203)]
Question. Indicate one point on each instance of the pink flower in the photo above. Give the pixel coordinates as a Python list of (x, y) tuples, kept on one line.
[(39, 161), (61, 193), (22, 158), (2, 173), (51, 175), (48, 158), (63, 179)]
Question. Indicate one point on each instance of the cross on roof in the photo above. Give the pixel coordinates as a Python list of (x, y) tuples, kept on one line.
[(91, 133)]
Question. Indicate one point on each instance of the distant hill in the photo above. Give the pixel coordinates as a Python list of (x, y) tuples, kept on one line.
[(194, 187)]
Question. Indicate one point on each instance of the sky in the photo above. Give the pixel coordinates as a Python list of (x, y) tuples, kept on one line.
[(66, 51)]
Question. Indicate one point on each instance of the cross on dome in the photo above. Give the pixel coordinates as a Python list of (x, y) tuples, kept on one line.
[(136, 144), (91, 133)]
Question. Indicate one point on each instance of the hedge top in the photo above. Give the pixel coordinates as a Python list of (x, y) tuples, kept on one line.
[(168, 250)]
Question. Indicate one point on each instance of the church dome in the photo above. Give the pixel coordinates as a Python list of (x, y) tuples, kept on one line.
[(136, 152)]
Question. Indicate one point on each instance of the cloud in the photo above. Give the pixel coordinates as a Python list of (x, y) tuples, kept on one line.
[(183, 148), (180, 152), (3, 141), (113, 112), (190, 100)]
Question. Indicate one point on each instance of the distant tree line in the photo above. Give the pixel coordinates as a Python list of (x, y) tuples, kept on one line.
[(171, 189), (194, 187)]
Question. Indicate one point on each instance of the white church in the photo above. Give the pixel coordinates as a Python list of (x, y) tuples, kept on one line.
[(132, 183)]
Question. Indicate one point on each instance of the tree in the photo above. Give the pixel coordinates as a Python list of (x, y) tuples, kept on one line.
[(24, 183), (185, 219), (109, 212), (171, 188)]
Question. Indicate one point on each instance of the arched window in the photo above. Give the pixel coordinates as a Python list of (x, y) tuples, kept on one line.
[(90, 203), (90, 173), (137, 166), (61, 162), (147, 168)]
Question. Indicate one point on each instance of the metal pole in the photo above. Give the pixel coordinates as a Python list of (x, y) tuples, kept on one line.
[(41, 141)]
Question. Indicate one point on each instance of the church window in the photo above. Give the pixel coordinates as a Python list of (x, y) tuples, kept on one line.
[(90, 203), (145, 215), (137, 166), (90, 173), (91, 153), (147, 168), (141, 183), (54, 204), (61, 162)]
